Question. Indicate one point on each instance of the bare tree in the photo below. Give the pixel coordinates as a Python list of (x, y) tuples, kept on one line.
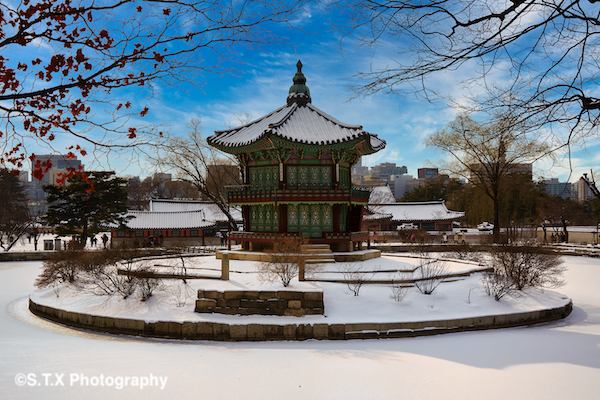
[(529, 265), (285, 261), (430, 274), (401, 284), (15, 216), (355, 276), (209, 170), (488, 154), (535, 60), (69, 68)]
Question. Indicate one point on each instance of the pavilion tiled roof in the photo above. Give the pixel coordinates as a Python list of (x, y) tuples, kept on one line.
[(302, 124), (298, 121), (416, 211)]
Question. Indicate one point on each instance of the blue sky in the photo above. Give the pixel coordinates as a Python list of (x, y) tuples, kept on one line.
[(263, 80)]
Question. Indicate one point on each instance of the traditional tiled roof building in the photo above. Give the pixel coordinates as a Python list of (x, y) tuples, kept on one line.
[(296, 165)]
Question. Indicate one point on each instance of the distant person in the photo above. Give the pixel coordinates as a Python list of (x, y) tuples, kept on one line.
[(104, 240), (463, 238)]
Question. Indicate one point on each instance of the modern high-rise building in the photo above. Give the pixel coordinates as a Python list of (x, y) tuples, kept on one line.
[(561, 189), (427, 173)]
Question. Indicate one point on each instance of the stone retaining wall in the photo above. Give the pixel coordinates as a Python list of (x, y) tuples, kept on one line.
[(261, 332), (251, 302)]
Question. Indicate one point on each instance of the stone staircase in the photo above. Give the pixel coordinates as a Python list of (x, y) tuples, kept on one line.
[(318, 254)]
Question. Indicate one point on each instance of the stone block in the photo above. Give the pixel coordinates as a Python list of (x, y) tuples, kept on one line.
[(273, 332), (175, 329), (212, 294), (304, 331), (247, 303), (294, 313), (256, 332), (312, 304), (204, 330), (266, 295), (201, 294), (149, 328), (232, 303), (289, 332), (295, 304), (203, 304), (290, 295), (238, 332), (248, 311), (220, 331), (251, 294), (336, 332), (229, 310), (276, 303), (314, 311), (313, 296), (233, 295), (188, 330), (161, 329), (321, 331)]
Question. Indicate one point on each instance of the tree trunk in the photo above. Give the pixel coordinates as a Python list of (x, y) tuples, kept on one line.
[(496, 230)]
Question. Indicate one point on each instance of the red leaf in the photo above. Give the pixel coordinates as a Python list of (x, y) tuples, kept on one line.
[(166, 11)]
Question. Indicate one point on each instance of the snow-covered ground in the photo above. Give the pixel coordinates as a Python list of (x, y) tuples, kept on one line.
[(464, 297), (557, 360)]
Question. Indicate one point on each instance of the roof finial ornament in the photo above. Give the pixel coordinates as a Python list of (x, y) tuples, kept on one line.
[(299, 92)]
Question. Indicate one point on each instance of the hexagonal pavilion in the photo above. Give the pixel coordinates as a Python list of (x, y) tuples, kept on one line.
[(296, 163)]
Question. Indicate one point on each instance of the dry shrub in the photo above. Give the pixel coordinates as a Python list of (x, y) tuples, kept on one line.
[(355, 276), (285, 261), (529, 265), (400, 285), (430, 274)]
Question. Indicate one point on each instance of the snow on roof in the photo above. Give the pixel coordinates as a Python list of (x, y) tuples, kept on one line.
[(168, 220), (416, 211), (303, 124), (180, 214), (381, 195)]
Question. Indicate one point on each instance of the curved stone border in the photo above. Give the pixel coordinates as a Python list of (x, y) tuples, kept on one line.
[(261, 332)]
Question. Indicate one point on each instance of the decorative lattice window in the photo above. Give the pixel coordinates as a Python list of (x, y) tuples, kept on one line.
[(315, 177), (176, 232), (327, 215), (315, 218), (261, 176), (303, 215), (194, 232), (292, 175), (275, 224), (303, 176), (326, 175), (139, 233), (268, 220)]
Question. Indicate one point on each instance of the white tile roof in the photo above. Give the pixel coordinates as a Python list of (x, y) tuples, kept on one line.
[(179, 214), (381, 195), (416, 211), (303, 124), (168, 220)]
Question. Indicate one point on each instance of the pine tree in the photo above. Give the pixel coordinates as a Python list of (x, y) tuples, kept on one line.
[(87, 204)]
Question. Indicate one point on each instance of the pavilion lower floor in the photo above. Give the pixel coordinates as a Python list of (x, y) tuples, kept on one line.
[(338, 241)]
